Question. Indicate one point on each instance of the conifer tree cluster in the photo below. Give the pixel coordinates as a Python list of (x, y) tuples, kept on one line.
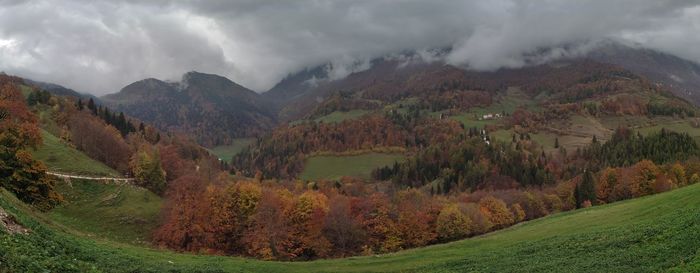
[(119, 121)]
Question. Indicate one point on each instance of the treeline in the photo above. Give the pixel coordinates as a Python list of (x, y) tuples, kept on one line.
[(19, 132), (470, 162), (626, 148), (667, 109), (118, 121), (281, 153), (283, 221)]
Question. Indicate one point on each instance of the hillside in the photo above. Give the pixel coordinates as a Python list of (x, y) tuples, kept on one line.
[(679, 75), (210, 108), (551, 109), (299, 93), (59, 157), (655, 233)]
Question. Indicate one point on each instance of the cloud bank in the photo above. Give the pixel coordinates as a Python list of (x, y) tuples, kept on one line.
[(101, 46)]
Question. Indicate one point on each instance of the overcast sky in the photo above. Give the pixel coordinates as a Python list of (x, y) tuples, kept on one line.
[(101, 46)]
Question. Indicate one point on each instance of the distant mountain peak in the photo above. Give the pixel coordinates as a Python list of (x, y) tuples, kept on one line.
[(210, 107)]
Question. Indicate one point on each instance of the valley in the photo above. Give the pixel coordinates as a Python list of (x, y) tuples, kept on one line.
[(573, 165)]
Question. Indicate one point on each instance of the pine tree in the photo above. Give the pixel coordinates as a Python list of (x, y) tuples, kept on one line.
[(92, 107), (587, 189)]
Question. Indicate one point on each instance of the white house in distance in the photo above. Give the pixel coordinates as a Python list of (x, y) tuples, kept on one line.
[(490, 116)]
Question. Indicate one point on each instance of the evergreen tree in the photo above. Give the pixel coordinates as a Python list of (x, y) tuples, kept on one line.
[(586, 191), (91, 105)]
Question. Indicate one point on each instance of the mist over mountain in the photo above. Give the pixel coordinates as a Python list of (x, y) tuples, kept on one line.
[(210, 107), (102, 46)]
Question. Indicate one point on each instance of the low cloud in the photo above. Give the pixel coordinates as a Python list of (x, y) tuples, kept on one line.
[(101, 46)]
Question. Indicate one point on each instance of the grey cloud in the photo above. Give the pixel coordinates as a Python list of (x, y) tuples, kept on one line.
[(100, 46)]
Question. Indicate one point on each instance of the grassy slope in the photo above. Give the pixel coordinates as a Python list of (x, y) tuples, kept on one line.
[(655, 233), (226, 152), (60, 157), (334, 167), (121, 213)]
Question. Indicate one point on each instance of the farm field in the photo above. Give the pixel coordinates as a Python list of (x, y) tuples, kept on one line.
[(226, 152)]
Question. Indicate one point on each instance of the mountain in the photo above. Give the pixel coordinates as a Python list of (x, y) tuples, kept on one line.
[(295, 85), (303, 91), (211, 108), (681, 76)]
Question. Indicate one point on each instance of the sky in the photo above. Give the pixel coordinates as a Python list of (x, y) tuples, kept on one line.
[(99, 47)]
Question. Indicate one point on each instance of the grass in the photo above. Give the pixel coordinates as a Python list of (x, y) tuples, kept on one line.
[(226, 152), (121, 213), (62, 158), (649, 234), (334, 167), (339, 116)]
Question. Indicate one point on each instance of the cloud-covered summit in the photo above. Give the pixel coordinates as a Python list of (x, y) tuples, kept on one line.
[(100, 46)]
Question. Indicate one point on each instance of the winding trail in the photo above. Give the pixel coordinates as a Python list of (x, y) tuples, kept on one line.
[(98, 178)]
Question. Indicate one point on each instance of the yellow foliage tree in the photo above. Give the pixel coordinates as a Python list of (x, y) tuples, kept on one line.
[(496, 211), (452, 223)]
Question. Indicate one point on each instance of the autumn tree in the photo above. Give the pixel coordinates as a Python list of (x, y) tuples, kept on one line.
[(452, 223), (306, 225), (645, 176), (147, 170), (606, 185), (416, 217), (678, 174), (19, 173), (496, 211), (99, 141), (343, 229), (232, 211), (269, 236), (518, 213), (375, 214), (185, 215)]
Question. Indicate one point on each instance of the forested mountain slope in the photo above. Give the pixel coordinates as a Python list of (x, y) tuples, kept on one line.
[(210, 108)]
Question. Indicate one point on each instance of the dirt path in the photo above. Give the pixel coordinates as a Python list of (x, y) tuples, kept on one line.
[(8, 223), (98, 178)]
